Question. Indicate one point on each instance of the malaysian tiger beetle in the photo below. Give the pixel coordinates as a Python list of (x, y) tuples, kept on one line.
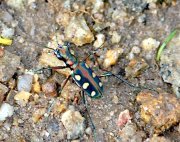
[(83, 76)]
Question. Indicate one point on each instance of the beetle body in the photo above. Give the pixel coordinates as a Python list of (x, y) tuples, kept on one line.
[(81, 73)]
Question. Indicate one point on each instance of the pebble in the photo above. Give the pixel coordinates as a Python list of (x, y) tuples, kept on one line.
[(8, 65), (150, 44), (115, 37), (75, 28), (134, 52), (98, 6), (37, 115), (74, 123), (160, 112), (124, 117), (25, 83), (16, 4), (50, 88), (3, 91), (88, 131), (6, 32), (115, 99), (36, 84), (6, 110), (22, 98), (135, 67), (78, 32), (112, 56), (99, 41), (130, 133)]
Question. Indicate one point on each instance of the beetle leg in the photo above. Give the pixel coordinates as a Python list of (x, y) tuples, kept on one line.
[(120, 77), (88, 113), (49, 68)]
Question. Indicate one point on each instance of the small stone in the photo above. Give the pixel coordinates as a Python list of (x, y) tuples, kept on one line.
[(150, 44), (77, 31), (136, 49), (49, 88), (59, 108), (7, 126), (160, 112), (131, 133), (74, 123), (99, 41), (115, 37), (115, 99), (98, 6), (124, 117), (22, 98), (17, 4), (135, 67), (38, 114), (8, 65), (88, 131), (7, 32), (3, 91), (36, 84), (142, 18), (25, 83), (112, 57), (6, 110)]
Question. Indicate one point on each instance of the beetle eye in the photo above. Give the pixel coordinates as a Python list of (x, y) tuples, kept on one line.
[(66, 43), (57, 53), (59, 46)]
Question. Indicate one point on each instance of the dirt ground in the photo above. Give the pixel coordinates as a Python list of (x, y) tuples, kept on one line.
[(35, 23)]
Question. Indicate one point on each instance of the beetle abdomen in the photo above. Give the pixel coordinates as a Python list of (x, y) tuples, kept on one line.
[(87, 79)]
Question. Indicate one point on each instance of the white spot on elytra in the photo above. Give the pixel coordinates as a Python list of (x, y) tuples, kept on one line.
[(93, 75), (77, 77), (85, 85), (86, 65), (93, 93), (100, 84)]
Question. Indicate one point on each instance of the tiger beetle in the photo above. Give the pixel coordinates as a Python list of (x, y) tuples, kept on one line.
[(83, 75)]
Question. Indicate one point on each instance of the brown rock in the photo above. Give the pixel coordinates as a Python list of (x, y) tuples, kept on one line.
[(136, 67), (161, 111), (49, 88)]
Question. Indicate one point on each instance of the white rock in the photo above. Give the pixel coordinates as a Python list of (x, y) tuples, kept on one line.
[(150, 44), (17, 4), (99, 41), (25, 82), (22, 98), (74, 124), (6, 110), (78, 32), (115, 37), (98, 6)]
